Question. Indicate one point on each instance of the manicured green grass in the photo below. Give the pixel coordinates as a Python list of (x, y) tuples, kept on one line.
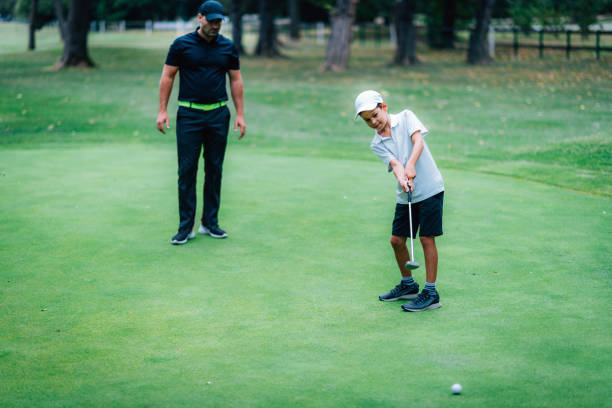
[(97, 309)]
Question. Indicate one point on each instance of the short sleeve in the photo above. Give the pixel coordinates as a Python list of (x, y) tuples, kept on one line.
[(413, 123), (234, 60), (174, 54)]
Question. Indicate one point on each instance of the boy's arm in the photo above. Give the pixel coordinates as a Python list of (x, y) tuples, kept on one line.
[(399, 173), (417, 149)]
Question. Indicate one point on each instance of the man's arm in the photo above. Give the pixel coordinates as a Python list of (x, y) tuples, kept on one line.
[(237, 89), (165, 88), (417, 149)]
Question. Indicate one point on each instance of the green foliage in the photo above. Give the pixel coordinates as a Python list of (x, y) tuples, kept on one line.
[(7, 7), (522, 13), (368, 10), (140, 10), (555, 13), (45, 14), (434, 19), (584, 12)]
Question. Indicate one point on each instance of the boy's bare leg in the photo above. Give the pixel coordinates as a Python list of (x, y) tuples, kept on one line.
[(431, 258), (402, 255)]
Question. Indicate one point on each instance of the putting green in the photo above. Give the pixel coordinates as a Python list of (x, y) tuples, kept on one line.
[(98, 309)]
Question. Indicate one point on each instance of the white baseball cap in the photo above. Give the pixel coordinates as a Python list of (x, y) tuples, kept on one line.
[(367, 100)]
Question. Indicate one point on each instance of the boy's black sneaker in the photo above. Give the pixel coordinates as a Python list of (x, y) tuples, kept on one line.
[(401, 291), (214, 231), (425, 301), (182, 237)]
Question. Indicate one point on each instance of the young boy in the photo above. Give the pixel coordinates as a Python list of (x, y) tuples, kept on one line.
[(399, 143)]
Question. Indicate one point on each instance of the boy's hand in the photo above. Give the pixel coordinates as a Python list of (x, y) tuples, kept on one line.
[(400, 174), (410, 174), (405, 183)]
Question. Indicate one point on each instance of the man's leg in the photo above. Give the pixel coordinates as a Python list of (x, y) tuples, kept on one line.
[(214, 152), (189, 145)]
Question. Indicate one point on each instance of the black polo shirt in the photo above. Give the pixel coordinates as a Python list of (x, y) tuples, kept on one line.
[(203, 66)]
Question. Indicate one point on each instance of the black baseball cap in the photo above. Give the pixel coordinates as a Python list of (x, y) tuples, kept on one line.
[(212, 10)]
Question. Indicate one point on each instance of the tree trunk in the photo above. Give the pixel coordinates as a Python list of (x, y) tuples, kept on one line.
[(449, 15), (32, 28), (405, 54), (236, 17), (339, 44), (75, 43), (294, 18), (441, 24), (267, 44), (61, 21), (478, 51)]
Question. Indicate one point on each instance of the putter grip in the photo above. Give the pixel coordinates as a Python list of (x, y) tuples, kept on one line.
[(409, 195)]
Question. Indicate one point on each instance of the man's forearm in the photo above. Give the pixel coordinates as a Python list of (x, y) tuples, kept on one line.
[(165, 88), (237, 90)]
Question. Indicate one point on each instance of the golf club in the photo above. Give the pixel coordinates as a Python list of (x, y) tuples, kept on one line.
[(411, 264)]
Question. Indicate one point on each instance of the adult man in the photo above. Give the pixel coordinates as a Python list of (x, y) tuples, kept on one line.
[(203, 57)]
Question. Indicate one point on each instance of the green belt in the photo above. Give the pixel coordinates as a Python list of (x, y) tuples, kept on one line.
[(200, 106)]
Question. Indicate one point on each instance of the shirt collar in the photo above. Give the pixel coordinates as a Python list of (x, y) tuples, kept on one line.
[(200, 38), (394, 122)]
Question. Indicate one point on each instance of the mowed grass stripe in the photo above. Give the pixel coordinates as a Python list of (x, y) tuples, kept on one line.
[(101, 309)]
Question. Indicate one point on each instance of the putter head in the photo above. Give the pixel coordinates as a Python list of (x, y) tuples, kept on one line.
[(411, 265)]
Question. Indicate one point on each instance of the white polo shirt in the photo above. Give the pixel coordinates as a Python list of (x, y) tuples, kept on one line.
[(428, 181)]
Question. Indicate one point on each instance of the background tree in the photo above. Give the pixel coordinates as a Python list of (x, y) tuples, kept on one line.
[(236, 19), (75, 45), (405, 53), (61, 21), (7, 8), (44, 14), (522, 13), (584, 12), (339, 44), (478, 51), (267, 44), (141, 10), (32, 28), (367, 11), (449, 15), (443, 18), (294, 19)]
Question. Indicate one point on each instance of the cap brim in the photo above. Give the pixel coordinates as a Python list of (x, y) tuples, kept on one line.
[(366, 108), (214, 16)]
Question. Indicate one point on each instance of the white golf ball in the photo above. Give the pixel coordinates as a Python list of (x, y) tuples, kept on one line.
[(456, 388)]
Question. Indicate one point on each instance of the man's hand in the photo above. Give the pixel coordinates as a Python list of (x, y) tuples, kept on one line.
[(240, 123), (162, 119)]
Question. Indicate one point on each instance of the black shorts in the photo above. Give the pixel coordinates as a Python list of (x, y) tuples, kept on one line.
[(426, 218)]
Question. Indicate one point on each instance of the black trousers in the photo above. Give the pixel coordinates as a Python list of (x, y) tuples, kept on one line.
[(196, 129)]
